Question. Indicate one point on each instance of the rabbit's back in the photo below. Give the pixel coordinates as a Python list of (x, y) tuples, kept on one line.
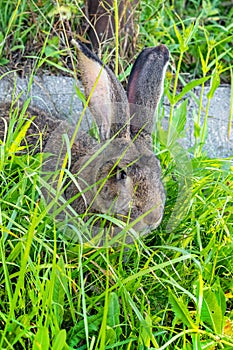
[(35, 126)]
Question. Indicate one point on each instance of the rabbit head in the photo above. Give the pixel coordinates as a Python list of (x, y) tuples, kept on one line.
[(121, 174)]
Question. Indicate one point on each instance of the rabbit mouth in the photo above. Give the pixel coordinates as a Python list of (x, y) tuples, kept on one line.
[(144, 227), (147, 221)]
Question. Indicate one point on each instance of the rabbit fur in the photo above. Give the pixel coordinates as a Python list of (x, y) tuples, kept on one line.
[(119, 174)]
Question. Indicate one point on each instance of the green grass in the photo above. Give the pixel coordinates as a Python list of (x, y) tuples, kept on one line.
[(174, 288)]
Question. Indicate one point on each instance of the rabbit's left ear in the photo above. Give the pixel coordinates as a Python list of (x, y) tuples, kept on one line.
[(108, 100), (145, 87)]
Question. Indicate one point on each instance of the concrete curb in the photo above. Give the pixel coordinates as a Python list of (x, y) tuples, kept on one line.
[(57, 96)]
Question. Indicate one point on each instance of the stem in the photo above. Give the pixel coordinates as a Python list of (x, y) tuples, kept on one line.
[(116, 16), (174, 94), (198, 137), (231, 106), (204, 127), (199, 140)]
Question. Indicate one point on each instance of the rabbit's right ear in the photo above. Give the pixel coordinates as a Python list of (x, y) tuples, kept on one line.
[(145, 87), (108, 100)]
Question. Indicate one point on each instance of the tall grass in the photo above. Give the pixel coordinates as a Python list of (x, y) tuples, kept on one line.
[(171, 290)]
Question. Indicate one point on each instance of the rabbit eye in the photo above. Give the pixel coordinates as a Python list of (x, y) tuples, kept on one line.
[(121, 174)]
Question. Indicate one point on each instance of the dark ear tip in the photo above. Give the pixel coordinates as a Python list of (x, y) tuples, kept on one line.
[(82, 48), (75, 44)]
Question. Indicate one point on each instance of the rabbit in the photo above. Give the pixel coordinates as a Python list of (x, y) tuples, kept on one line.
[(41, 124), (124, 176), (118, 174)]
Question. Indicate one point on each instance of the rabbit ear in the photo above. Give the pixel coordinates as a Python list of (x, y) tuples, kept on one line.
[(145, 87), (108, 102)]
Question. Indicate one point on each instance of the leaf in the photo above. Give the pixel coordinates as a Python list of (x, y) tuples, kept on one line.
[(50, 51), (54, 41), (170, 97), (4, 61), (197, 130), (182, 45), (111, 336), (64, 11), (80, 95), (20, 136), (188, 87), (203, 63), (214, 307), (113, 318), (60, 283), (181, 311), (146, 336), (77, 332), (41, 340), (215, 81), (179, 119), (60, 340)]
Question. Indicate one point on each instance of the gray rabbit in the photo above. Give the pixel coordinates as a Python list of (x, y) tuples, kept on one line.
[(119, 174), (124, 176)]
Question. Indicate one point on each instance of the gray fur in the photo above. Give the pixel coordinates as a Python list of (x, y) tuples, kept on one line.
[(120, 174)]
